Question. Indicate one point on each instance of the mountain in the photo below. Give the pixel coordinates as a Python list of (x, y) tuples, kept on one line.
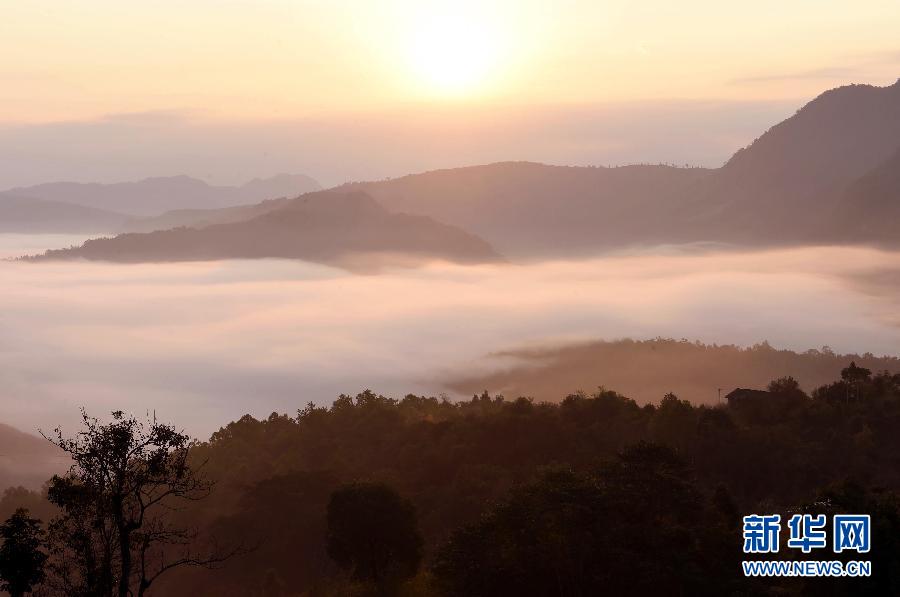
[(280, 185), (869, 208), (788, 183), (523, 207), (200, 218), (529, 210), (790, 186), (785, 188), (26, 459), (646, 370), (343, 228), (40, 216), (153, 196)]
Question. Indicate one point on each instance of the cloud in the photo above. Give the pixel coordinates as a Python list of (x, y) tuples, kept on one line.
[(845, 74), (888, 57), (858, 68), (204, 343), (151, 118)]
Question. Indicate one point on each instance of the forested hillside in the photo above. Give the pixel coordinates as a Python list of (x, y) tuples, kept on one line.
[(509, 493), (644, 370)]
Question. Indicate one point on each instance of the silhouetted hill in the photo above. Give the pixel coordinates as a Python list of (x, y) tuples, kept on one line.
[(27, 459), (648, 369), (348, 229), (153, 196), (668, 479), (869, 208), (460, 461), (530, 209), (201, 218), (39, 216), (786, 185), (783, 188), (280, 185)]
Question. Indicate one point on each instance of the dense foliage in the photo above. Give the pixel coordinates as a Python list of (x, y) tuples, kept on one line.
[(372, 532), (517, 497), (21, 557)]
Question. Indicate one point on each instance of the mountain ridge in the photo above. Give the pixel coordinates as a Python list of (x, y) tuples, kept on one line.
[(789, 179), (528, 208), (155, 195), (785, 188), (26, 459), (27, 215), (869, 208), (345, 229)]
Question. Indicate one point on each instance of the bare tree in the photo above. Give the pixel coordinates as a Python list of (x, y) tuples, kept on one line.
[(117, 533)]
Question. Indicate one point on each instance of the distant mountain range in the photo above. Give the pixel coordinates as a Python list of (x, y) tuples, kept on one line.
[(40, 216), (534, 210), (108, 207), (828, 174), (792, 185), (200, 218), (526, 208), (343, 228)]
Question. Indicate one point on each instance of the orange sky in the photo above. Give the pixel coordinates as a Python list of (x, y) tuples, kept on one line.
[(264, 59)]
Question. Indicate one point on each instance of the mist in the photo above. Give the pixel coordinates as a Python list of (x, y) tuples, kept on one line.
[(205, 343)]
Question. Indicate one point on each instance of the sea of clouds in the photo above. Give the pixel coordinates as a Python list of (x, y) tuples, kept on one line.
[(204, 343)]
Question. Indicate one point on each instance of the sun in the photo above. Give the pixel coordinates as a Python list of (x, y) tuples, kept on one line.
[(454, 54)]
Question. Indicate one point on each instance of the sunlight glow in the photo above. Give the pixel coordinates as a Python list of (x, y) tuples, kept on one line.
[(454, 54)]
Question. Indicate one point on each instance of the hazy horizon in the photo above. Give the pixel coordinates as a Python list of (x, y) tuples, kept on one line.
[(225, 94), (334, 149)]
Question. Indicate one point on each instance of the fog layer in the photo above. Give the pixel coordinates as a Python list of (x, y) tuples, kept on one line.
[(203, 343)]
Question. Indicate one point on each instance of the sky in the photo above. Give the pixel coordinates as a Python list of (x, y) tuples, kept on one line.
[(107, 90)]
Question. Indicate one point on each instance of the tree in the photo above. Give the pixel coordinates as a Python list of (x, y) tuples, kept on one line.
[(116, 533), (635, 527), (848, 497), (373, 532), (21, 556), (787, 387), (544, 540), (855, 373), (854, 377)]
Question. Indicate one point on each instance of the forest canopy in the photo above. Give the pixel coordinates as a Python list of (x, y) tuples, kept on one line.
[(614, 479)]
